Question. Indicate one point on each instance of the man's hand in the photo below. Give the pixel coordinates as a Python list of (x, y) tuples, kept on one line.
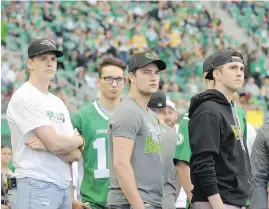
[(76, 133), (79, 205), (4, 207), (36, 144), (216, 201), (189, 196)]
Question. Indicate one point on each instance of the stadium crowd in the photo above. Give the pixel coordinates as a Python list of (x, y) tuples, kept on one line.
[(182, 33)]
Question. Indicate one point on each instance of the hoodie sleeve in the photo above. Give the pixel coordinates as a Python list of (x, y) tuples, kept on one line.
[(205, 136)]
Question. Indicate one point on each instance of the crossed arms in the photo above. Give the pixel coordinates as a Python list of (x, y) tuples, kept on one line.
[(65, 147)]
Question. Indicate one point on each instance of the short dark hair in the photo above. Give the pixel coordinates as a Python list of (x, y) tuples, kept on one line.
[(3, 146), (108, 60)]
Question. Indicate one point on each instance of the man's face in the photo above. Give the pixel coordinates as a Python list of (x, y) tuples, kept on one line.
[(5, 155), (43, 66), (170, 116), (231, 76), (266, 81), (147, 79), (111, 82)]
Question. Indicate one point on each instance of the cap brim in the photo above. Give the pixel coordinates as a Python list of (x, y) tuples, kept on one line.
[(160, 64), (56, 52)]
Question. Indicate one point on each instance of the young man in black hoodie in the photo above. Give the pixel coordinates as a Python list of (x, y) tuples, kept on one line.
[(219, 163)]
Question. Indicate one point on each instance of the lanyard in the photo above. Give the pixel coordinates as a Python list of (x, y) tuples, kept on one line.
[(237, 123)]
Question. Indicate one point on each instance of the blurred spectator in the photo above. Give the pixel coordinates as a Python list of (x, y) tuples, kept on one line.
[(8, 94), (265, 90), (123, 45), (139, 42), (251, 87), (5, 158), (192, 86), (91, 80), (181, 32), (4, 64), (5, 174), (9, 76), (164, 86), (108, 46)]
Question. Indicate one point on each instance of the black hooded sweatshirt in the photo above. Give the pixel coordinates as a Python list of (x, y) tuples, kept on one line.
[(220, 160)]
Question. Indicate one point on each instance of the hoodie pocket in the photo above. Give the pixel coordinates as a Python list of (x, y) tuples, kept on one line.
[(241, 191)]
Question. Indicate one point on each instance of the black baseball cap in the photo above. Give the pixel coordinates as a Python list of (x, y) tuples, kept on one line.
[(207, 64), (42, 45), (157, 100), (222, 57), (142, 59)]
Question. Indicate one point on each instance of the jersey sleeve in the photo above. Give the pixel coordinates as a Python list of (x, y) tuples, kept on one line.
[(28, 114), (125, 124), (183, 149)]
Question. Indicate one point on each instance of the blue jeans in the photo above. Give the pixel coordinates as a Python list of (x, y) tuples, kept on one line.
[(127, 206), (33, 194)]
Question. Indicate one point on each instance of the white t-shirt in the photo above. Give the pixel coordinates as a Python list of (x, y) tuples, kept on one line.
[(182, 199), (251, 135), (28, 109), (78, 172)]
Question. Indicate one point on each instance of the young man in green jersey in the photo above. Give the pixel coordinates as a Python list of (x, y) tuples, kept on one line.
[(91, 122), (183, 149)]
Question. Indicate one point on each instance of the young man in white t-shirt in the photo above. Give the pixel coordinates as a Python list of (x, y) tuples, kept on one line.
[(42, 136)]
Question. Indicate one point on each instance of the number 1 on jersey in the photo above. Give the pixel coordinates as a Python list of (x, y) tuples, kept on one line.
[(102, 172)]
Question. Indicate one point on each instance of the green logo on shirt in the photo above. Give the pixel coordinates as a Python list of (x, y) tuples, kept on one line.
[(152, 146), (180, 139), (55, 116)]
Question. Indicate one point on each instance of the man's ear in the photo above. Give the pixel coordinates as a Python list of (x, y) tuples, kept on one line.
[(30, 64), (131, 77), (216, 75), (98, 82)]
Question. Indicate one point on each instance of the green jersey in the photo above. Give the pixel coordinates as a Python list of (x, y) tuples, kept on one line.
[(183, 149), (91, 122)]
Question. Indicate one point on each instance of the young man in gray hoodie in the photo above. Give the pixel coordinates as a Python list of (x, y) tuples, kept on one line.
[(260, 169)]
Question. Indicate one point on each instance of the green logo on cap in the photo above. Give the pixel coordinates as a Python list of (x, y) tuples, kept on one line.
[(149, 56)]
